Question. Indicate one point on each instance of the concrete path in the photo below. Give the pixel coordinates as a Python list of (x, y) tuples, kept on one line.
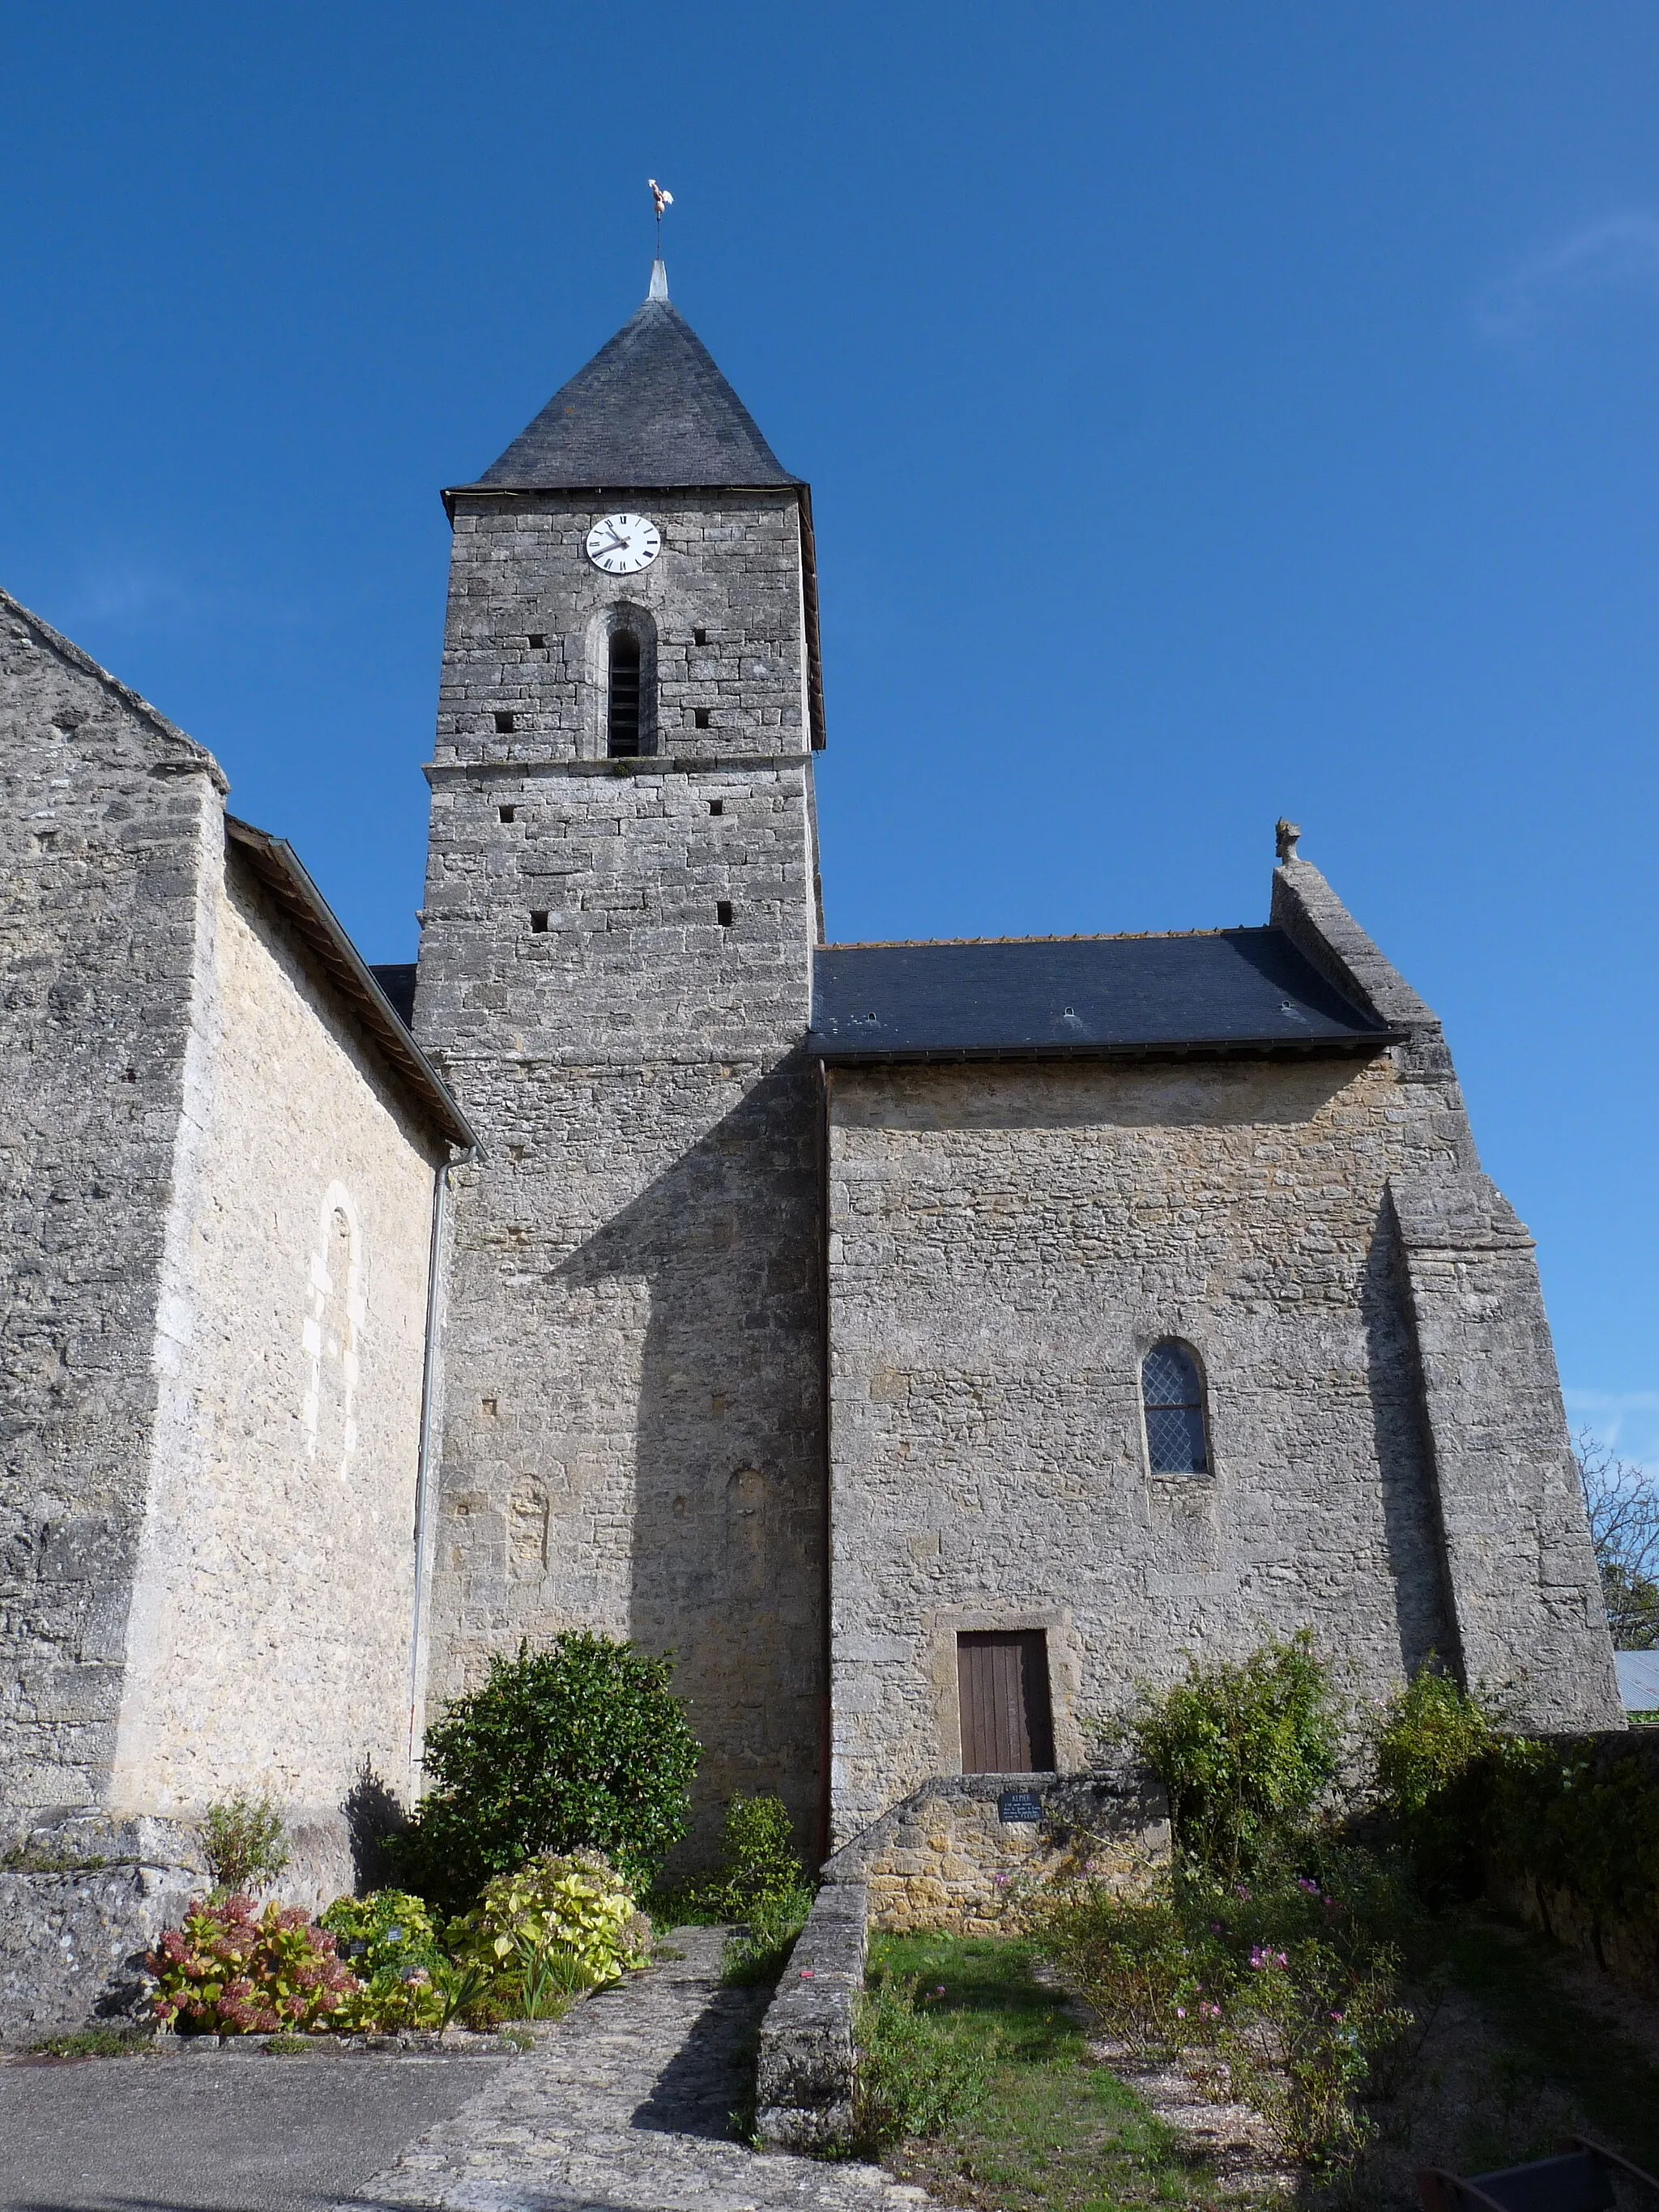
[(628, 2108), (217, 2131), (625, 2106)]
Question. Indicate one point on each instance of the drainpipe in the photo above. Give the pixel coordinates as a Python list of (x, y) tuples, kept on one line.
[(424, 1464)]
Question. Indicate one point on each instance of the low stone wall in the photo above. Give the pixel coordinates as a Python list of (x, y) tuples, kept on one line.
[(947, 1858), (1624, 1949), (81, 1901), (803, 2093), (950, 1856), (1570, 1843), (83, 1897)]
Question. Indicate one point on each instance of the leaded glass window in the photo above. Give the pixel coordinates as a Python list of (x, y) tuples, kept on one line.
[(1174, 1399)]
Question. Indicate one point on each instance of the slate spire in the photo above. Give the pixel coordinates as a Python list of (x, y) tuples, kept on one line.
[(650, 411)]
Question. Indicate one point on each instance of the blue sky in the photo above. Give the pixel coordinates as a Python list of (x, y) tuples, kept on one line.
[(1213, 411)]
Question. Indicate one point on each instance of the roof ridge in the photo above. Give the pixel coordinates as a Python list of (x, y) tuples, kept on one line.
[(1077, 937)]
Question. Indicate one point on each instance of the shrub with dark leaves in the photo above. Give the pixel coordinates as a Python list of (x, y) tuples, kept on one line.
[(582, 1747)]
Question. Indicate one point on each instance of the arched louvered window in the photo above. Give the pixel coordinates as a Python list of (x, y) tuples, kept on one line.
[(622, 725), (1173, 1396)]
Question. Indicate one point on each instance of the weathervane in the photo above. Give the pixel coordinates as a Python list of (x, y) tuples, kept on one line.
[(661, 198)]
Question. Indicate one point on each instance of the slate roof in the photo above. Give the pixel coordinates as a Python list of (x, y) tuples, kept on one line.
[(1247, 991), (650, 411), (396, 980)]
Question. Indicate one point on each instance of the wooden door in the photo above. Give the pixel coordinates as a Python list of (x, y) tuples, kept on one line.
[(1002, 1682)]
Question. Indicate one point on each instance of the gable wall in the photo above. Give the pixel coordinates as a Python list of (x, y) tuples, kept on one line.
[(1005, 1242), (106, 821), (270, 1642)]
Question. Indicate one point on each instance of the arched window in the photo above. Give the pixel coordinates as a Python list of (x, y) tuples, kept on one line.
[(1173, 1397), (623, 726)]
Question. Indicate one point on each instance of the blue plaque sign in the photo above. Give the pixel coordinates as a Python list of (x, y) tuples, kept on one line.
[(1019, 1805)]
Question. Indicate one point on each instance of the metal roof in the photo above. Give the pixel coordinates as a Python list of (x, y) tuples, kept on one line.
[(1638, 1681), (650, 411), (1246, 991), (277, 866)]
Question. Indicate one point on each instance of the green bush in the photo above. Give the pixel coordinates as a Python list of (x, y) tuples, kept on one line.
[(389, 1942), (1273, 1946), (761, 1869), (1300, 2039), (1579, 1814), (1244, 1752), (1284, 1985), (580, 1746), (1435, 1747), (553, 1926), (227, 1972), (1151, 1974), (1582, 1817), (244, 1843)]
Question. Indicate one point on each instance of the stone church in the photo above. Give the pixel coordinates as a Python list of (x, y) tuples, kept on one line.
[(927, 1343)]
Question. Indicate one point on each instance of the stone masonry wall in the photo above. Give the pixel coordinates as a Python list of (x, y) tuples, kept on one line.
[(730, 569), (107, 813), (1388, 1461), (270, 1643), (1524, 1589), (633, 1433), (945, 1858), (1006, 1243)]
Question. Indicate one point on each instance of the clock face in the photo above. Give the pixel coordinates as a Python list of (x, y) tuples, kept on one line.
[(622, 544)]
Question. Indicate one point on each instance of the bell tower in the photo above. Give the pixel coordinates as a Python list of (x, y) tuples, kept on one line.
[(614, 976)]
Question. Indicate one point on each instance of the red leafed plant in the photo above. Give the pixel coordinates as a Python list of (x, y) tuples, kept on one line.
[(229, 1971)]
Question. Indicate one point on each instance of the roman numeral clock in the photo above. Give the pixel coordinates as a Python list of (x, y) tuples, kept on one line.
[(622, 544)]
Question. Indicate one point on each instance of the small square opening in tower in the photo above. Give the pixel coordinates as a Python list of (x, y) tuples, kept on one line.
[(723, 913), (509, 813), (699, 637), (717, 807), (539, 920), (503, 722), (538, 641), (701, 715)]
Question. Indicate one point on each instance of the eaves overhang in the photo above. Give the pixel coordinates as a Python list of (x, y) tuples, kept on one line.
[(279, 870), (836, 1052)]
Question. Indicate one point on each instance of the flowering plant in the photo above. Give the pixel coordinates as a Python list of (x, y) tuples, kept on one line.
[(229, 1972), (1301, 2039), (574, 1905), (390, 1945)]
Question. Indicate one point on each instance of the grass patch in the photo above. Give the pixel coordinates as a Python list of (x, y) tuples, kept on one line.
[(978, 2086), (98, 2043)]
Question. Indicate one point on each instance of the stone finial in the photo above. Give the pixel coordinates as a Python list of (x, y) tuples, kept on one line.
[(1285, 837), (658, 280)]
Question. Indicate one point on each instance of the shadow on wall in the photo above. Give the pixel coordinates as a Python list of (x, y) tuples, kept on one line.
[(726, 1566), (374, 1814), (1411, 1516)]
